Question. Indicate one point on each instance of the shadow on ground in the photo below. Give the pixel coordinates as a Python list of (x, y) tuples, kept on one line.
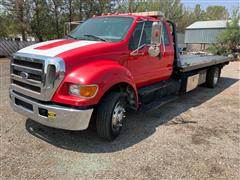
[(138, 127)]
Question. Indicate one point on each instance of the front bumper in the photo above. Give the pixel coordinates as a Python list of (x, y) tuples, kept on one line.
[(51, 115)]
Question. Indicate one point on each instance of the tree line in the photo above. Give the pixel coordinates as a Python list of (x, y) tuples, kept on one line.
[(44, 19)]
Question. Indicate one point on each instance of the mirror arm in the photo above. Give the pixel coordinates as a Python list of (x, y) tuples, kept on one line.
[(140, 39), (135, 52), (163, 44)]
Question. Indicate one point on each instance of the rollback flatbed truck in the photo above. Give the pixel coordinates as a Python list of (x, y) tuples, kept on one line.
[(106, 66)]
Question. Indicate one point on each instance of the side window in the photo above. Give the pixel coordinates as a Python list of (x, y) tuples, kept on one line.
[(165, 36), (148, 30), (134, 40), (136, 35)]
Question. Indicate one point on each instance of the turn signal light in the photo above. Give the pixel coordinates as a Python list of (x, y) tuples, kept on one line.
[(86, 91)]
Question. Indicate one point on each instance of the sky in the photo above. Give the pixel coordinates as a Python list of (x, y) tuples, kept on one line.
[(229, 4)]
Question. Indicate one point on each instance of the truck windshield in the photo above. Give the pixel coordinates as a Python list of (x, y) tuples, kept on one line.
[(111, 29)]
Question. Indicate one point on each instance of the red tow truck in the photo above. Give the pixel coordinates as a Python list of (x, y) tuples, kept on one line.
[(106, 66)]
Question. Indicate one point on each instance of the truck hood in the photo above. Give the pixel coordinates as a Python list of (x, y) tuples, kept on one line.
[(62, 47)]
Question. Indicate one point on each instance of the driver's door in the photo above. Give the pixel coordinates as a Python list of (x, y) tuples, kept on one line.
[(145, 69)]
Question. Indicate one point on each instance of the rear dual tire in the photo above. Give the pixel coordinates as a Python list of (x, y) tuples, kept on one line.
[(213, 76)]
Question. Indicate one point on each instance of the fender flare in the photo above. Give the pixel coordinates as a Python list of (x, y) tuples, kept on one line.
[(113, 76), (123, 81)]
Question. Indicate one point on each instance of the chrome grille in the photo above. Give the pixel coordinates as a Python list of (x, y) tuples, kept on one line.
[(28, 64), (36, 76), (34, 70)]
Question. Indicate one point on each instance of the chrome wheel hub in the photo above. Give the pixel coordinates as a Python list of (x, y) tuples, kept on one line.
[(118, 115)]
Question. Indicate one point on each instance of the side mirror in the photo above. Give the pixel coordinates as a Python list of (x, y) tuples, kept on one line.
[(154, 49)]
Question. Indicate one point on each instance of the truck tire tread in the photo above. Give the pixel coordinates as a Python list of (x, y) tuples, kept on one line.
[(210, 77), (104, 114)]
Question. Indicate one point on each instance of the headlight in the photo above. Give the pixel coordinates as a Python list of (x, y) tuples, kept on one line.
[(86, 91)]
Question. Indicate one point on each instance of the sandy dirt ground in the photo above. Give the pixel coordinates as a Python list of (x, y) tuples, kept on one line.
[(195, 137)]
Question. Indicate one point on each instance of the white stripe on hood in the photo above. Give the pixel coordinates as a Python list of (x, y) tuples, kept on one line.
[(52, 52)]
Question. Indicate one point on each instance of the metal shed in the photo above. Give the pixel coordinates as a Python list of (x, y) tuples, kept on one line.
[(204, 32), (181, 39)]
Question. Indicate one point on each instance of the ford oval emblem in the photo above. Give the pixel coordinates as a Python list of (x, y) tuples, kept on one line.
[(24, 75)]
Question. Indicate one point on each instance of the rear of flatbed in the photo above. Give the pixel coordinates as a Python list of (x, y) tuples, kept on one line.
[(188, 63), (195, 70)]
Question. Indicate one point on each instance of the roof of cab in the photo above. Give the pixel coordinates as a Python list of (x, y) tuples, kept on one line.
[(152, 15)]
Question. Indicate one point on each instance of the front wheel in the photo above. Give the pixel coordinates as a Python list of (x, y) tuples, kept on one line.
[(110, 115)]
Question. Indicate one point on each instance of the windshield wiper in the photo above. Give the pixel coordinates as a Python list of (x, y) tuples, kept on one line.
[(95, 37)]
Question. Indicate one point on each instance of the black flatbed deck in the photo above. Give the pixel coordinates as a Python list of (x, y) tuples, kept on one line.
[(192, 62)]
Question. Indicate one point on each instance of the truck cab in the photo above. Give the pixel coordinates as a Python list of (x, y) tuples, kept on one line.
[(104, 67)]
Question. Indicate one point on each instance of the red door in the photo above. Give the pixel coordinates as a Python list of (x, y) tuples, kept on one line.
[(146, 69)]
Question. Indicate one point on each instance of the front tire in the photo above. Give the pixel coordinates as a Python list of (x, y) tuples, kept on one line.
[(110, 115), (213, 76)]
